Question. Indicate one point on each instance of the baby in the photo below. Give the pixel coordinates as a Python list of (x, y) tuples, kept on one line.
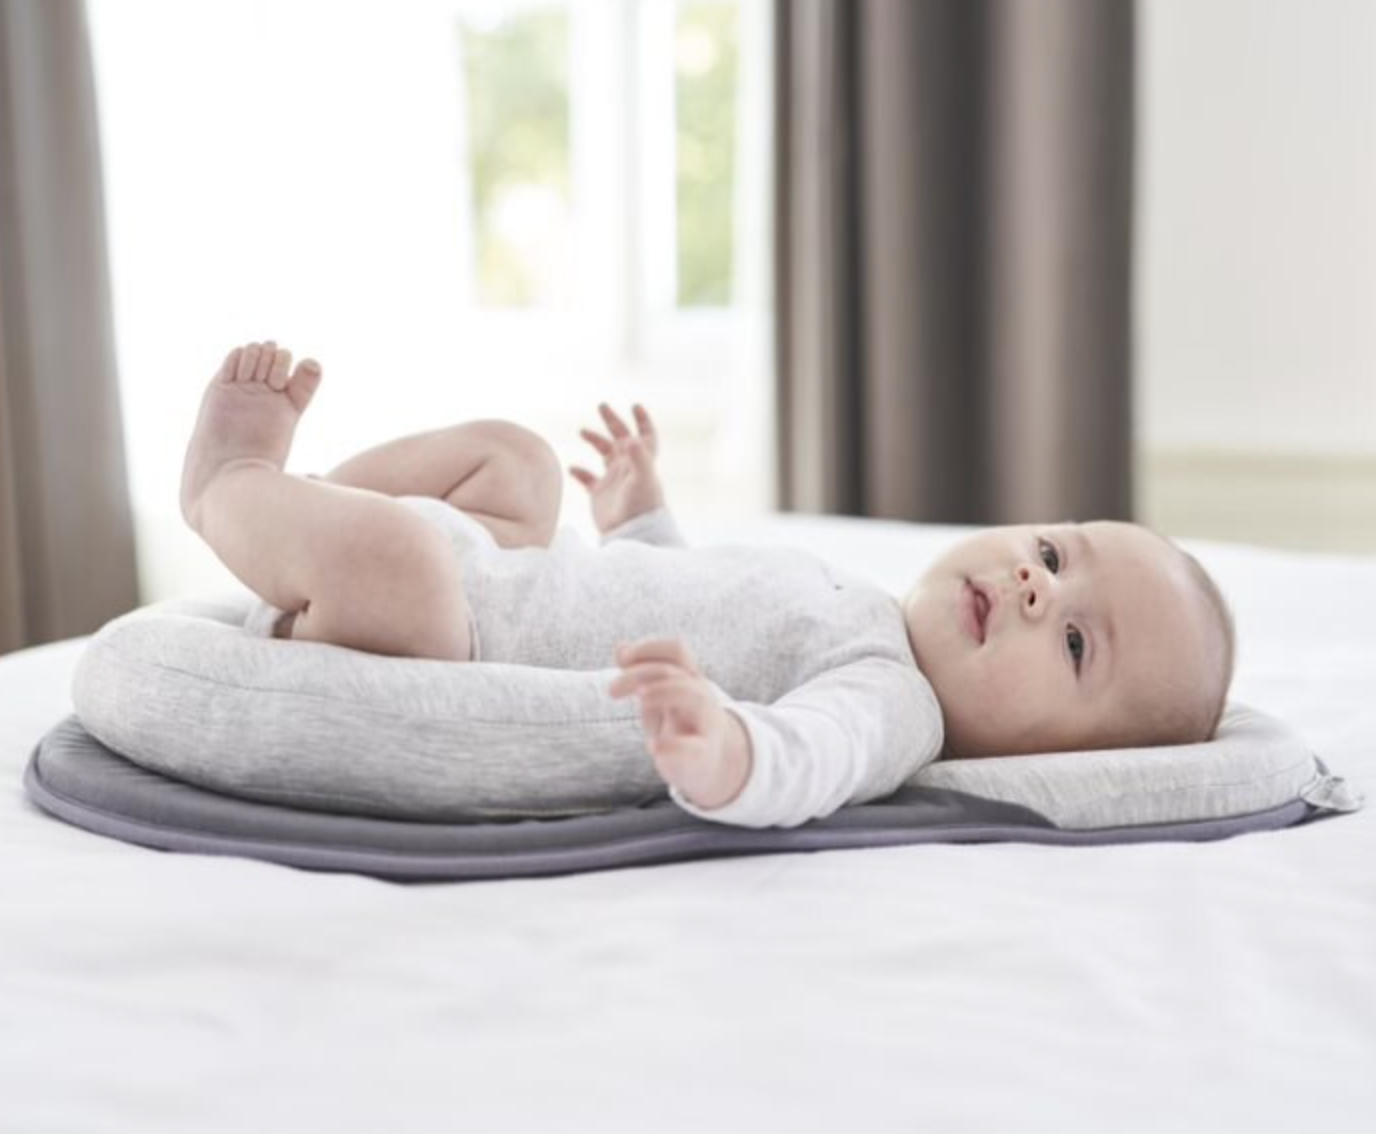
[(804, 688)]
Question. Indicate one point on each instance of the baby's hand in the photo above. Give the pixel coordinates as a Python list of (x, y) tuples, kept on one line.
[(698, 747), (629, 485)]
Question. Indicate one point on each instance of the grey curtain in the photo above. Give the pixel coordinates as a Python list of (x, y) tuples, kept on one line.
[(953, 210), (67, 559)]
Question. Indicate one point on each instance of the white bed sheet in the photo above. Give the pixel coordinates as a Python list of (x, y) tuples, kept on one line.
[(1222, 987)]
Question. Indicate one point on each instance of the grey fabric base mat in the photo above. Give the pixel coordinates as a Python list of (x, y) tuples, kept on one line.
[(76, 778)]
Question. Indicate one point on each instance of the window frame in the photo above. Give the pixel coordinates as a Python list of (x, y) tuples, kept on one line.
[(625, 324)]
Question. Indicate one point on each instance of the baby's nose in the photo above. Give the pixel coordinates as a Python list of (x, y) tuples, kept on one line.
[(1032, 589)]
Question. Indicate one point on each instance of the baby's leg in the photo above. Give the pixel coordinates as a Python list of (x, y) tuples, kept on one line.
[(502, 474), (360, 569)]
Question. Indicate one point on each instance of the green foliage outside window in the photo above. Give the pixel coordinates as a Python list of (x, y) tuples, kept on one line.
[(706, 57), (516, 75)]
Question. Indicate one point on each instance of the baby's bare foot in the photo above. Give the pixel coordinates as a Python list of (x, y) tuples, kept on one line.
[(248, 416)]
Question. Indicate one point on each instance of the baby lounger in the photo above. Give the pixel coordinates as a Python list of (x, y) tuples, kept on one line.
[(193, 735)]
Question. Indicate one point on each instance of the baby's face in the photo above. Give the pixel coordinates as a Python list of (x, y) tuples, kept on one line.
[(1042, 639)]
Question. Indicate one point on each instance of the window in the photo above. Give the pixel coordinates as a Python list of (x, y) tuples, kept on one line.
[(706, 70), (516, 88), (614, 153), (464, 208)]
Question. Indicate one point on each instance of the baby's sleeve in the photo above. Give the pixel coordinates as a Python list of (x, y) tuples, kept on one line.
[(850, 735), (657, 527)]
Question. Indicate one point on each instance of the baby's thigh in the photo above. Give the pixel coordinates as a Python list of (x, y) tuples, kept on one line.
[(401, 595)]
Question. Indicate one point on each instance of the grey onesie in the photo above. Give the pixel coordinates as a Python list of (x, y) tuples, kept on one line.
[(814, 662)]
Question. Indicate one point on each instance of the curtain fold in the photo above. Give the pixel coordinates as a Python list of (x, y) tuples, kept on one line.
[(954, 218), (67, 557)]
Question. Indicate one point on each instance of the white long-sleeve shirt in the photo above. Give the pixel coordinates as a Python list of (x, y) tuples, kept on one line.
[(814, 662)]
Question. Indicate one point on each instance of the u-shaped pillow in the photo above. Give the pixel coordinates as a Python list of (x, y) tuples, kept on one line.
[(194, 734)]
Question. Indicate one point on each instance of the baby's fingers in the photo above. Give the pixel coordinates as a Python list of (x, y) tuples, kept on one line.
[(656, 649), (637, 676), (683, 704), (598, 442), (614, 423), (681, 692), (583, 477), (645, 426)]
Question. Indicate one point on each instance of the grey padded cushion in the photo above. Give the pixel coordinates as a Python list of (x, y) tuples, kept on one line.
[(75, 777), (181, 689)]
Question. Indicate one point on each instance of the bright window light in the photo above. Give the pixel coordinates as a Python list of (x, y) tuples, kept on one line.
[(516, 81), (463, 208)]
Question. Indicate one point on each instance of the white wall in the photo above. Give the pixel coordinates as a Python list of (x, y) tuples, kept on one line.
[(1256, 241)]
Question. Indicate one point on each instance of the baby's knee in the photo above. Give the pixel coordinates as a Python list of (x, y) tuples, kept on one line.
[(545, 488), (532, 484), (532, 454)]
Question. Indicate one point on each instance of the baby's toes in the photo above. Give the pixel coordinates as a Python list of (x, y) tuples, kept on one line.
[(281, 367), (229, 367), (248, 362), (264, 367), (303, 383)]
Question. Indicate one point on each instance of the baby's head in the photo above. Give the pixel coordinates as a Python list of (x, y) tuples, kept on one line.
[(1071, 636)]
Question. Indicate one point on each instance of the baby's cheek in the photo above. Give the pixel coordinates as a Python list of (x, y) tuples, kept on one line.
[(999, 688)]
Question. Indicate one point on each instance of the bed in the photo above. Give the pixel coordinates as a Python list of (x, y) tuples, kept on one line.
[(1164, 986)]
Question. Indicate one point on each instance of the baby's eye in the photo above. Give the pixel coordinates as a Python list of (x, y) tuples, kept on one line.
[(1050, 556), (1076, 641)]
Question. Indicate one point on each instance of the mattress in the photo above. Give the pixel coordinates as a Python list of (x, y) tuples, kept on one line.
[(1148, 987)]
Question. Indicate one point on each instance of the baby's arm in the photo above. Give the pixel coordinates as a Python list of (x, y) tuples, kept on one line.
[(849, 735)]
